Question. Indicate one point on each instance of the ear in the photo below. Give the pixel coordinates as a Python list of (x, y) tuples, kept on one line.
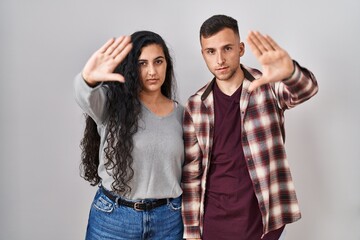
[(241, 49)]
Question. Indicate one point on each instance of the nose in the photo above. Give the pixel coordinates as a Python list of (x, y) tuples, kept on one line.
[(220, 58), (151, 70)]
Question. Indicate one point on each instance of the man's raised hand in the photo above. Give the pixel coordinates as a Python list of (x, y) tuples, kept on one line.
[(275, 61)]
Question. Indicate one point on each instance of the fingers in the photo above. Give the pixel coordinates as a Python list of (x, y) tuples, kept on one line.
[(253, 46), (124, 52), (276, 62), (121, 44), (116, 77), (113, 47), (106, 45), (273, 44), (260, 44)]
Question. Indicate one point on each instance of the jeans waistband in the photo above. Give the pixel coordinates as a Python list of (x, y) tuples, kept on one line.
[(139, 205)]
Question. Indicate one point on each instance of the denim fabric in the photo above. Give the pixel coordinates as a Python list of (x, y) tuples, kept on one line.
[(107, 220)]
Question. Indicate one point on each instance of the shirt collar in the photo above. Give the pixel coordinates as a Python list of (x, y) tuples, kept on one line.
[(247, 75)]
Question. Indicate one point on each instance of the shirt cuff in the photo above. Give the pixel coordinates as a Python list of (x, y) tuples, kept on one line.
[(294, 76), (85, 86), (192, 232)]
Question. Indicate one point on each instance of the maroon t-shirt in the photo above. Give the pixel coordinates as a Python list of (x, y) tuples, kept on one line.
[(231, 207)]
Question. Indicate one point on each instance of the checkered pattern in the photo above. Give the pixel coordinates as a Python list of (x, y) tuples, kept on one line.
[(262, 116)]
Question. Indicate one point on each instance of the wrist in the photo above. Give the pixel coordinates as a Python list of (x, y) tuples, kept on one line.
[(293, 71), (88, 82)]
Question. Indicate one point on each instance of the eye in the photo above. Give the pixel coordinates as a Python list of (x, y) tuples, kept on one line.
[(228, 49), (210, 51), (142, 63), (159, 61)]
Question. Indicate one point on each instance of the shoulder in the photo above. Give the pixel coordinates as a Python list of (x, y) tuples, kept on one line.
[(178, 109), (255, 73), (196, 97), (178, 106)]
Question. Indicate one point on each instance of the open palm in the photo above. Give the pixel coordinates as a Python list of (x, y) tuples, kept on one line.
[(101, 65), (275, 61)]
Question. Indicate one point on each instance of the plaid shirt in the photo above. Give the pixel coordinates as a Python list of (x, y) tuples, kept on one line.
[(263, 136)]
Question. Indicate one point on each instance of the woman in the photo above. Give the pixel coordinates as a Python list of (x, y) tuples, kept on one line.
[(132, 146)]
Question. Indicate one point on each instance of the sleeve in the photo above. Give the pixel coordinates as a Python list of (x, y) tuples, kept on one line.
[(298, 88), (92, 100), (191, 179)]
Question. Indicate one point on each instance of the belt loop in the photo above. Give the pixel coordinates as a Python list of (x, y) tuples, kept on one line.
[(117, 202)]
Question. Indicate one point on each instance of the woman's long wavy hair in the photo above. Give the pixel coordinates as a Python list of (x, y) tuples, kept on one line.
[(123, 111)]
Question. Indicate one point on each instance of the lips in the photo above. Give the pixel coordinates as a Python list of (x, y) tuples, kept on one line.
[(221, 69), (152, 80)]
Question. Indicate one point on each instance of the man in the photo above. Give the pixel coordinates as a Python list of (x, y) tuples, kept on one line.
[(236, 178)]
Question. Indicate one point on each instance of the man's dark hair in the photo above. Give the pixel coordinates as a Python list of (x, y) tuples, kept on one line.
[(217, 23)]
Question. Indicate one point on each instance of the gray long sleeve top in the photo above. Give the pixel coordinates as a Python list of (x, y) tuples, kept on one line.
[(158, 146)]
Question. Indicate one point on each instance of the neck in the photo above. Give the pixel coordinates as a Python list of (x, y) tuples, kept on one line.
[(229, 86), (151, 97)]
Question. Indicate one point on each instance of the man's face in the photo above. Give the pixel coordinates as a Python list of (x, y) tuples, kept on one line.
[(222, 53)]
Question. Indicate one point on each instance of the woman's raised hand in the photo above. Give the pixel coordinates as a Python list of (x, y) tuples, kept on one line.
[(101, 65)]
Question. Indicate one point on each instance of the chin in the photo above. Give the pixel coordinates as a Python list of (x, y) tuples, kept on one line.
[(222, 78)]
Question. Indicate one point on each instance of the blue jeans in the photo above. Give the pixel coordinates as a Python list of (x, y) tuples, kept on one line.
[(108, 220)]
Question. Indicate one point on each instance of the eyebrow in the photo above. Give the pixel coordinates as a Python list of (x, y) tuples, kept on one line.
[(226, 45), (157, 58)]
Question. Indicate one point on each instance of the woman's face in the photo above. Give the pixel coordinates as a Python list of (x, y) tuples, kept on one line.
[(152, 67)]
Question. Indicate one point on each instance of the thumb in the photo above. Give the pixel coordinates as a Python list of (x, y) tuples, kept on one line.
[(115, 77), (255, 84)]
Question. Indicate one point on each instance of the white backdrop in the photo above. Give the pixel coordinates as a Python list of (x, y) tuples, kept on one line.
[(44, 44)]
